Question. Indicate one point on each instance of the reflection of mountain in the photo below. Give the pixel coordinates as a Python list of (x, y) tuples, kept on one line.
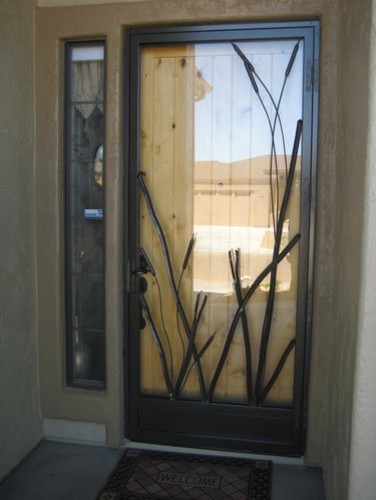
[(251, 171), (239, 193)]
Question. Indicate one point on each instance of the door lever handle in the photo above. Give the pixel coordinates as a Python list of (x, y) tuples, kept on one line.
[(137, 283), (142, 284), (146, 265), (144, 268)]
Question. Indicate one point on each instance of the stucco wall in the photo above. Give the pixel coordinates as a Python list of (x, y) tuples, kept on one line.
[(20, 422), (343, 344), (349, 451), (362, 479), (351, 419)]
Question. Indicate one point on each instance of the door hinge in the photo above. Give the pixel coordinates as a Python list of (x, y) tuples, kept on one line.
[(307, 193), (312, 75), (127, 276), (308, 309), (316, 75), (131, 276), (298, 413)]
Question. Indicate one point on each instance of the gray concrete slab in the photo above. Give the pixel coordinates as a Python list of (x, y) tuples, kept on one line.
[(61, 471), (297, 482)]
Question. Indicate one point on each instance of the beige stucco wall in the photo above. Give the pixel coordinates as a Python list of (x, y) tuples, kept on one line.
[(56, 24), (57, 400), (362, 479), (342, 406), (350, 453), (20, 421)]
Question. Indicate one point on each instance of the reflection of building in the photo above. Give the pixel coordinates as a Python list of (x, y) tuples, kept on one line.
[(243, 189), (233, 205), (232, 193)]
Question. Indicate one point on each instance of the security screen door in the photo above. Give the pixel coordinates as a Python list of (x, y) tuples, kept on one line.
[(221, 156)]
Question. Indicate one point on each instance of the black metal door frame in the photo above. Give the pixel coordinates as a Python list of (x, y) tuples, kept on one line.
[(260, 429)]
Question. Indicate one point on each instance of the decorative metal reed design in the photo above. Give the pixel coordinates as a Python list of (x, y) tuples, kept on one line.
[(256, 390)]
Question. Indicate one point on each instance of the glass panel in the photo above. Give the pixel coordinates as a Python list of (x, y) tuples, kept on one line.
[(84, 214), (218, 125)]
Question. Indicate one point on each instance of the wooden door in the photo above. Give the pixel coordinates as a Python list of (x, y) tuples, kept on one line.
[(220, 242)]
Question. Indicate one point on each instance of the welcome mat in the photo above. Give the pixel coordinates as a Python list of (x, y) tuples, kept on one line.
[(157, 475)]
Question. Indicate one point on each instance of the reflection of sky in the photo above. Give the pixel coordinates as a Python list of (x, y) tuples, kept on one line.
[(230, 122)]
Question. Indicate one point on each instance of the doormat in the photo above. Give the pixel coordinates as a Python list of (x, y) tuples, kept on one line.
[(151, 475)]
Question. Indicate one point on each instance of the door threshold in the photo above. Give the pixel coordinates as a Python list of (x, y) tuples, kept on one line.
[(277, 459)]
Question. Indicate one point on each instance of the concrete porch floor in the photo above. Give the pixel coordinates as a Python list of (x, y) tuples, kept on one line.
[(62, 471)]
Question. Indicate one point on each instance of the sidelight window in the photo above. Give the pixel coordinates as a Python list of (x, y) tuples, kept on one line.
[(84, 214)]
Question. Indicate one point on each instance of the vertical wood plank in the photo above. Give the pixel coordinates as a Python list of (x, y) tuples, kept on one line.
[(227, 200)]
